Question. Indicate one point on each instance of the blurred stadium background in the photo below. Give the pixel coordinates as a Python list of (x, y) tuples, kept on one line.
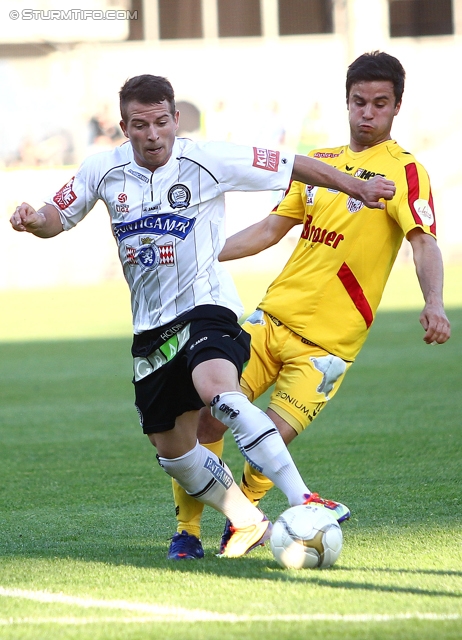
[(266, 72)]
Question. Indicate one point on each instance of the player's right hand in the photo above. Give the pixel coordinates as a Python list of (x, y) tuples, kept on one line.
[(26, 218), (376, 189)]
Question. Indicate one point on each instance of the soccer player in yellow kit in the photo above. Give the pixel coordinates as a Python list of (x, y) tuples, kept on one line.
[(316, 315)]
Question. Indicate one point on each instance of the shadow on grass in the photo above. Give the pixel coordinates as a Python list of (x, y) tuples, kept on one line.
[(152, 556)]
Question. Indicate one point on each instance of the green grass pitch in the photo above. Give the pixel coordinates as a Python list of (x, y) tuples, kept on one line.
[(86, 512)]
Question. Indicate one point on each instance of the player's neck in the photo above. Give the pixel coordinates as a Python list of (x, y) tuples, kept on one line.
[(358, 146)]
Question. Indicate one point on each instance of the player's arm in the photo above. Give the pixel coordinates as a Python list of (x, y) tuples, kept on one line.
[(257, 237), (429, 268), (44, 223), (314, 172)]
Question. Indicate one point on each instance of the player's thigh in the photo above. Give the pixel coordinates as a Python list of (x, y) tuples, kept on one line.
[(164, 394), (263, 366), (307, 380)]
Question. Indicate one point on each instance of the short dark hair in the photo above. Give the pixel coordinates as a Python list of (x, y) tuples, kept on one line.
[(146, 89), (377, 65)]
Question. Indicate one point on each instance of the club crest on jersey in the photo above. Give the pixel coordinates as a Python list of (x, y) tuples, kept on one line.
[(179, 196), (158, 224), (354, 205), (148, 257)]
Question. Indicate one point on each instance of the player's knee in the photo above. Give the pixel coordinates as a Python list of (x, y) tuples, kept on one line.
[(210, 429), (227, 407)]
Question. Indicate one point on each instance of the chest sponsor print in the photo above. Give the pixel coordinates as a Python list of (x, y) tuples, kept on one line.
[(314, 234), (365, 174), (157, 224)]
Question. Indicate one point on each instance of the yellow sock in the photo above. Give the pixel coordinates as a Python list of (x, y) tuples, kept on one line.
[(254, 484), (188, 510)]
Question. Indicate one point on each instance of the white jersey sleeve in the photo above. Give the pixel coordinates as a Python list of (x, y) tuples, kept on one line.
[(242, 168), (79, 195)]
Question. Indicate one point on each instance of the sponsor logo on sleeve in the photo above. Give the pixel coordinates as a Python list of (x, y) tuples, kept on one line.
[(424, 211), (265, 159), (65, 196)]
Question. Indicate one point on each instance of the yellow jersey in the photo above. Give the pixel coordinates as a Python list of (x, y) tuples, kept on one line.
[(331, 286)]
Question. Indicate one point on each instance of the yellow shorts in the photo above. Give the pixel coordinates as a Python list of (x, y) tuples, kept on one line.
[(305, 376)]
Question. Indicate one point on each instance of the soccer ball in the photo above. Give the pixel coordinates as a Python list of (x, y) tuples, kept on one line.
[(306, 537)]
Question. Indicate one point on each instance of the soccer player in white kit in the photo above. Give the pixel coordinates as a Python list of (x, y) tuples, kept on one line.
[(165, 199)]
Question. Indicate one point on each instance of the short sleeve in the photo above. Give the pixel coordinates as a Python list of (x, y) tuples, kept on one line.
[(241, 168), (77, 197), (292, 205), (414, 207)]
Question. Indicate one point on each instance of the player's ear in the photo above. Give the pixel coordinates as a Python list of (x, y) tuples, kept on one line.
[(124, 128)]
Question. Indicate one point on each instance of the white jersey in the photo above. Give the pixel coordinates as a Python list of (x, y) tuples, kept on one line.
[(169, 225)]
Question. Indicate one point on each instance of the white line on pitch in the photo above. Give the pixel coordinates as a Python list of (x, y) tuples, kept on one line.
[(171, 614)]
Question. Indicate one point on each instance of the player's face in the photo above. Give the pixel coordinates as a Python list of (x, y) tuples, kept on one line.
[(371, 107), (151, 129)]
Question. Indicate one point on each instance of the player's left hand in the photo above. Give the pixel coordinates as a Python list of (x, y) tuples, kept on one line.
[(376, 189), (436, 324)]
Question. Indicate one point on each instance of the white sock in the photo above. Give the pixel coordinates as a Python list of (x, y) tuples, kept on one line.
[(260, 443), (208, 479)]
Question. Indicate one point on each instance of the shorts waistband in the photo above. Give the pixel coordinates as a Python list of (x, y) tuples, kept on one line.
[(278, 323)]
